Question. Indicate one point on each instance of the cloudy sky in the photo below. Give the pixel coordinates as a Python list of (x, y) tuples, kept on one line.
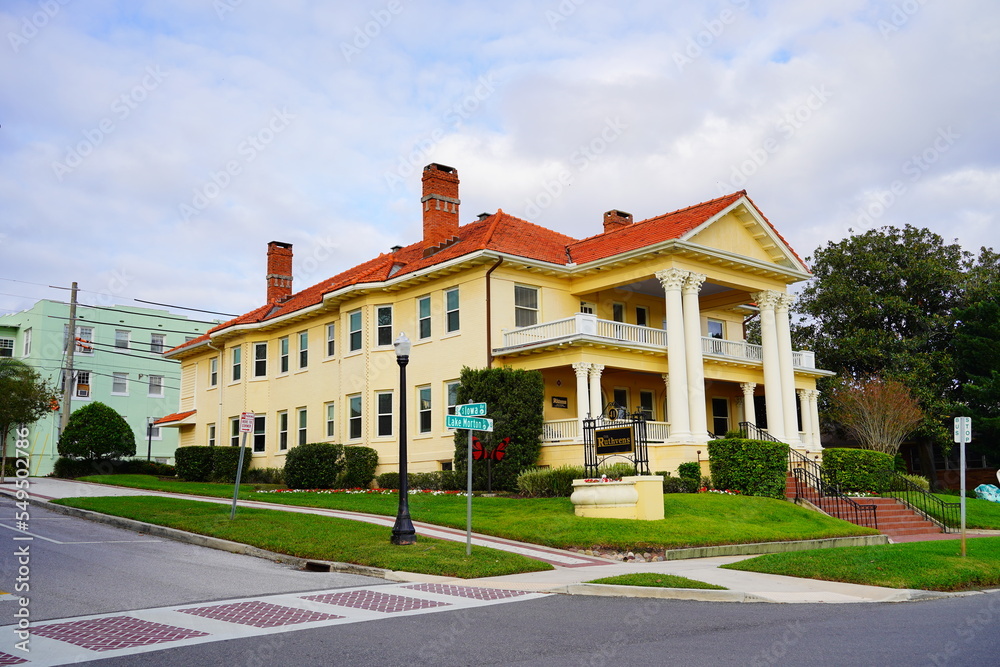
[(151, 149)]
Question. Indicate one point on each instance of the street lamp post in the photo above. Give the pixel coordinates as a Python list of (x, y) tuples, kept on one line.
[(402, 530), (149, 436)]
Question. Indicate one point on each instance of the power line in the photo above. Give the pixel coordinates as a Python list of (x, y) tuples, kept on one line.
[(162, 317), (197, 310), (132, 326)]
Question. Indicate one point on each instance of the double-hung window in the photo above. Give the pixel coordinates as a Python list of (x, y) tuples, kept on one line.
[(331, 339), (525, 305), (383, 404), (424, 317), (303, 349), (424, 409), (354, 330), (331, 414), (383, 329), (451, 315), (157, 342), (237, 364), (156, 385), (260, 360), (119, 385), (283, 355), (259, 434), (283, 430), (122, 338), (303, 422), (213, 371), (354, 416), (234, 432)]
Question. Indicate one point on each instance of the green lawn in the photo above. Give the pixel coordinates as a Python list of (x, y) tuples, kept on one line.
[(703, 519), (978, 513), (313, 537), (935, 565), (655, 580)]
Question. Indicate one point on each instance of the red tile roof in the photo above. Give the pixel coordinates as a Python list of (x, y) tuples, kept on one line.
[(176, 417), (502, 233)]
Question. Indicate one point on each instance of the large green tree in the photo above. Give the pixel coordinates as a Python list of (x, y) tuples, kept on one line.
[(977, 352), (96, 432), (883, 303), (24, 398), (515, 400)]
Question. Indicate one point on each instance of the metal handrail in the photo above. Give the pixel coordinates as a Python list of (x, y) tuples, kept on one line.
[(812, 484), (944, 514)]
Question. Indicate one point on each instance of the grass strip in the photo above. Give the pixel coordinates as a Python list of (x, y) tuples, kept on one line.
[(654, 580), (933, 565), (692, 520), (313, 537)]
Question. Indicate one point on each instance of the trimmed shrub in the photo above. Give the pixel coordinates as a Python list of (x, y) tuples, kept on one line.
[(861, 470), (225, 460), (314, 465), (264, 476), (558, 482), (922, 482), (359, 467), (752, 467), (437, 480), (73, 468), (194, 464), (678, 484), (689, 470), (96, 431), (388, 480)]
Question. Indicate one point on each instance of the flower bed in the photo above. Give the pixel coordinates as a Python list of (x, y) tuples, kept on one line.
[(383, 492)]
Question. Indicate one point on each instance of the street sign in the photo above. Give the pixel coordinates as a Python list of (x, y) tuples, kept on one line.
[(963, 429), (471, 423), (246, 422), (471, 410)]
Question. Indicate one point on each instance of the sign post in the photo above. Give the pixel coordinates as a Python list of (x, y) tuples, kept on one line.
[(246, 426), (963, 434), (467, 417)]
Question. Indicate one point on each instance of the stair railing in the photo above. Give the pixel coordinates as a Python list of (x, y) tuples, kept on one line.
[(944, 514), (813, 485)]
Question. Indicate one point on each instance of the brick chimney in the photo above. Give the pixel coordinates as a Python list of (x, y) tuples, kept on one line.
[(616, 220), (279, 271), (440, 202)]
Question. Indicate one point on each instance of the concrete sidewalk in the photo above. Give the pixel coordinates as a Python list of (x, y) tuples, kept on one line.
[(571, 570)]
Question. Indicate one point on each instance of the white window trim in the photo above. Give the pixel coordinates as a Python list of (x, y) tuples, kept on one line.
[(421, 411), (301, 430), (213, 372), (233, 364), (127, 339), (391, 413), (429, 318), (77, 383), (284, 355), (256, 346), (262, 433), (330, 419), (7, 343), (331, 337), (303, 350), (378, 327), (538, 304), (211, 434), (283, 431), (114, 377), (449, 409), (457, 309), (26, 343), (360, 417), (150, 385), (161, 344), (360, 331)]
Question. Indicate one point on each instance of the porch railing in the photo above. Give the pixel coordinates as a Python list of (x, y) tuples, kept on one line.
[(568, 430)]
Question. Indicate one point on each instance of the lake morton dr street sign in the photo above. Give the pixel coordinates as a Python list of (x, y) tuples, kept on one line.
[(471, 423)]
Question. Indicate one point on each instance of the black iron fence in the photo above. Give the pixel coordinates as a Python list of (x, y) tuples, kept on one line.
[(947, 515)]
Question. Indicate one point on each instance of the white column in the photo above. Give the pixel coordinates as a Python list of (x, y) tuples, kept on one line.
[(784, 335), (817, 442), (749, 410), (595, 390), (582, 369), (695, 357), (677, 396), (772, 372), (804, 408)]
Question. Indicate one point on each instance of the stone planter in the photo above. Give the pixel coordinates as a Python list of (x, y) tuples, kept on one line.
[(638, 497)]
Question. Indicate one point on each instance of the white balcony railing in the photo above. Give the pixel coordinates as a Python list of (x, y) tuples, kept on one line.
[(584, 325), (568, 430)]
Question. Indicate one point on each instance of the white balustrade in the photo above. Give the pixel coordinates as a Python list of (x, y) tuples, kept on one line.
[(558, 430)]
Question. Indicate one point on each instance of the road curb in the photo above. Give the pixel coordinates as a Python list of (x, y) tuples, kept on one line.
[(613, 590), (217, 543)]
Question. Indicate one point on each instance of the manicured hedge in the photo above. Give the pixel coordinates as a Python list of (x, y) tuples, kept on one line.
[(314, 465), (66, 468), (690, 470), (752, 467), (359, 467), (210, 464), (194, 463), (858, 469), (558, 482), (679, 484), (439, 480), (225, 460)]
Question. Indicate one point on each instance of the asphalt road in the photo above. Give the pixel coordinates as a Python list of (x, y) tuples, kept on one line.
[(86, 568)]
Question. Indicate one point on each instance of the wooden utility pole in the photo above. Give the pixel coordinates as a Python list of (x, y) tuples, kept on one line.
[(68, 369)]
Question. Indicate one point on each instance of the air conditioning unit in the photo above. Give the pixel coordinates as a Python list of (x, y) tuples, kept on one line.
[(83, 391)]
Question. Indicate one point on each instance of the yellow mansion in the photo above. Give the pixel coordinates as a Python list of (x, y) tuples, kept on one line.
[(648, 315)]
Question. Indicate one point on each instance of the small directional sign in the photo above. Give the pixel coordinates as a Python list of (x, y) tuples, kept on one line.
[(246, 422), (471, 423), (471, 410)]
